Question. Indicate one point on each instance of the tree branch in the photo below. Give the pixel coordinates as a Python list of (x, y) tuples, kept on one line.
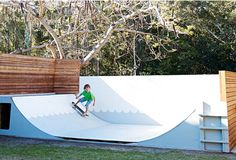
[(20, 50), (215, 36), (110, 30), (132, 31), (142, 33), (47, 27), (53, 34)]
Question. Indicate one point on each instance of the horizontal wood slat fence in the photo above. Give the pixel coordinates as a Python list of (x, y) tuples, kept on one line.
[(26, 75), (228, 95)]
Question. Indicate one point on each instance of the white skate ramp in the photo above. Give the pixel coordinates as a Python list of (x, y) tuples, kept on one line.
[(54, 115), (128, 109)]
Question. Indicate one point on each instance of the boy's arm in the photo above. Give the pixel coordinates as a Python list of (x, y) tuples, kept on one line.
[(77, 96), (94, 101)]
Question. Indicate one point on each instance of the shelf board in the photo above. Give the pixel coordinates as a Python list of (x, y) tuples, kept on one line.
[(213, 128), (213, 141), (207, 115)]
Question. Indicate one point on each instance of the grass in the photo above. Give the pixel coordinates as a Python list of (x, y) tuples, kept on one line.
[(46, 152)]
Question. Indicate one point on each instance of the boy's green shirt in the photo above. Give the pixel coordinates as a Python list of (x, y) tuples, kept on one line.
[(88, 95)]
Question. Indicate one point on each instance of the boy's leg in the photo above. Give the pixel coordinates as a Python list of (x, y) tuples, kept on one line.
[(87, 107), (86, 110)]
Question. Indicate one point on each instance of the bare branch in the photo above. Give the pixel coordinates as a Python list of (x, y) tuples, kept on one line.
[(110, 30), (132, 31), (215, 36), (47, 27), (100, 44), (20, 50)]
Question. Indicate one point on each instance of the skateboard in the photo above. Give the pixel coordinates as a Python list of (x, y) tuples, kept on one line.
[(77, 108)]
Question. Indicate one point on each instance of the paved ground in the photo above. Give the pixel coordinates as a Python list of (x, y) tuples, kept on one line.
[(14, 141)]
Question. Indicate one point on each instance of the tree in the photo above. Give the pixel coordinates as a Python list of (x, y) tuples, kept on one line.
[(124, 37), (80, 29), (210, 44)]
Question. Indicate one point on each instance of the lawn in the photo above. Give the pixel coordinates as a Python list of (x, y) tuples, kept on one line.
[(47, 152)]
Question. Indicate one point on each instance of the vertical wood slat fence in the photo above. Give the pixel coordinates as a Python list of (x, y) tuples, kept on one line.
[(228, 95), (26, 75)]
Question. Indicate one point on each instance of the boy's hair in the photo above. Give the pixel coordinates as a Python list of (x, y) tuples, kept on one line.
[(86, 86)]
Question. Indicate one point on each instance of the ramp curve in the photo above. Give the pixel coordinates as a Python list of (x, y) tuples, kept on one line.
[(54, 115)]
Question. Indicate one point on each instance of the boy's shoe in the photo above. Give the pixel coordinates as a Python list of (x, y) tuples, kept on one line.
[(85, 114)]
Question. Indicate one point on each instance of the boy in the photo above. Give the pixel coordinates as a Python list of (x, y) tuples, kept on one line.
[(88, 97)]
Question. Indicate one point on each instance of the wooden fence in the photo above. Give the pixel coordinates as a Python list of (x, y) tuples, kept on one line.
[(228, 95), (26, 75), (66, 76)]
